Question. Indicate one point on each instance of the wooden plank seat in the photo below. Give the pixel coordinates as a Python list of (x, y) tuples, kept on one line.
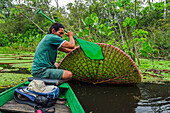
[(12, 106)]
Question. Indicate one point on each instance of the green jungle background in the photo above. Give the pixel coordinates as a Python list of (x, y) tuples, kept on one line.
[(141, 28)]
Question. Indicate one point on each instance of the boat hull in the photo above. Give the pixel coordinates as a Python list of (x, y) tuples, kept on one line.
[(65, 92)]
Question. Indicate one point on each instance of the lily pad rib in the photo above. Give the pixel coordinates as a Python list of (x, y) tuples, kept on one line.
[(116, 67)]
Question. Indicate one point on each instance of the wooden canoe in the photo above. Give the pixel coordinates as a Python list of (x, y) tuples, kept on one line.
[(8, 104)]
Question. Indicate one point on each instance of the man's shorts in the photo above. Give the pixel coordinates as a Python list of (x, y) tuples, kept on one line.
[(48, 73)]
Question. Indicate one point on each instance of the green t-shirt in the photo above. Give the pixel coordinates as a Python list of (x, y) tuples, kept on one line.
[(46, 51)]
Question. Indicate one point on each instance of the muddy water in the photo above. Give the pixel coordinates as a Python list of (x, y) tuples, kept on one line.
[(143, 98)]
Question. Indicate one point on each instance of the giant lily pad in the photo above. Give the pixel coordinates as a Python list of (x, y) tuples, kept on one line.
[(116, 67)]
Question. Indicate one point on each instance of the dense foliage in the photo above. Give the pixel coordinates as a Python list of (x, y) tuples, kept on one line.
[(140, 28)]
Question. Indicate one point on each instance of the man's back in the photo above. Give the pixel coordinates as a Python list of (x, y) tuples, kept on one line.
[(46, 52)]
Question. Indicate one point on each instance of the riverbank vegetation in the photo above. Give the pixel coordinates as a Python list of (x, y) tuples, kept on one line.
[(138, 28)]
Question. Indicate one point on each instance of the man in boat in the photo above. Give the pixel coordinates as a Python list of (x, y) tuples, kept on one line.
[(44, 65)]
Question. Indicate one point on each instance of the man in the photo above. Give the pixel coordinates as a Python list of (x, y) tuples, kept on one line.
[(46, 54)]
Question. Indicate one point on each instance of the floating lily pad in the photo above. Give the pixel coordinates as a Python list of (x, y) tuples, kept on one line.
[(17, 71), (9, 70), (11, 79), (17, 55), (4, 55), (27, 55), (26, 58), (15, 61), (16, 58), (22, 65), (8, 58)]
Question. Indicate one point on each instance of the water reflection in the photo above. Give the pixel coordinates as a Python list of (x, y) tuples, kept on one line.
[(155, 98), (107, 98)]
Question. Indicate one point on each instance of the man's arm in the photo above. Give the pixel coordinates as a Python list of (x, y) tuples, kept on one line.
[(69, 44), (66, 50)]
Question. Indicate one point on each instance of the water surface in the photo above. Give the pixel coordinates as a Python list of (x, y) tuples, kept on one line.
[(142, 98)]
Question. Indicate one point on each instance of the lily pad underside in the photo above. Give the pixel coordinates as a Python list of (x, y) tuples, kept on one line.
[(116, 67)]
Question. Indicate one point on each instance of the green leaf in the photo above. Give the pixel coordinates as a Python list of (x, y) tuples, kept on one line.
[(80, 34), (96, 19), (89, 21), (86, 31), (2, 21), (144, 53), (132, 22), (149, 49), (110, 33), (137, 40), (70, 4), (2, 15), (93, 15), (145, 45)]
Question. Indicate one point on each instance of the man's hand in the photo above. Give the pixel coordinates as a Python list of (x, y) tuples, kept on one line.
[(56, 65), (69, 44), (69, 34)]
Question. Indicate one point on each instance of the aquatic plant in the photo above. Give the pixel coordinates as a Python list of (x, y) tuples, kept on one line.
[(22, 65), (8, 58), (17, 55), (16, 58), (12, 79), (5, 55), (155, 71), (15, 61), (25, 58), (116, 67), (9, 70)]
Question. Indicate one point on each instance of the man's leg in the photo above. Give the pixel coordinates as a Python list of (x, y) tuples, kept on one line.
[(67, 75)]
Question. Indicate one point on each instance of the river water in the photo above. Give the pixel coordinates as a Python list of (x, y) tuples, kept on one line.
[(141, 98)]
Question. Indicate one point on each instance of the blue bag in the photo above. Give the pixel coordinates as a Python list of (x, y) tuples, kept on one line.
[(41, 99)]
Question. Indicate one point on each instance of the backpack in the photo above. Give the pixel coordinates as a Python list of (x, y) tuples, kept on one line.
[(38, 100)]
